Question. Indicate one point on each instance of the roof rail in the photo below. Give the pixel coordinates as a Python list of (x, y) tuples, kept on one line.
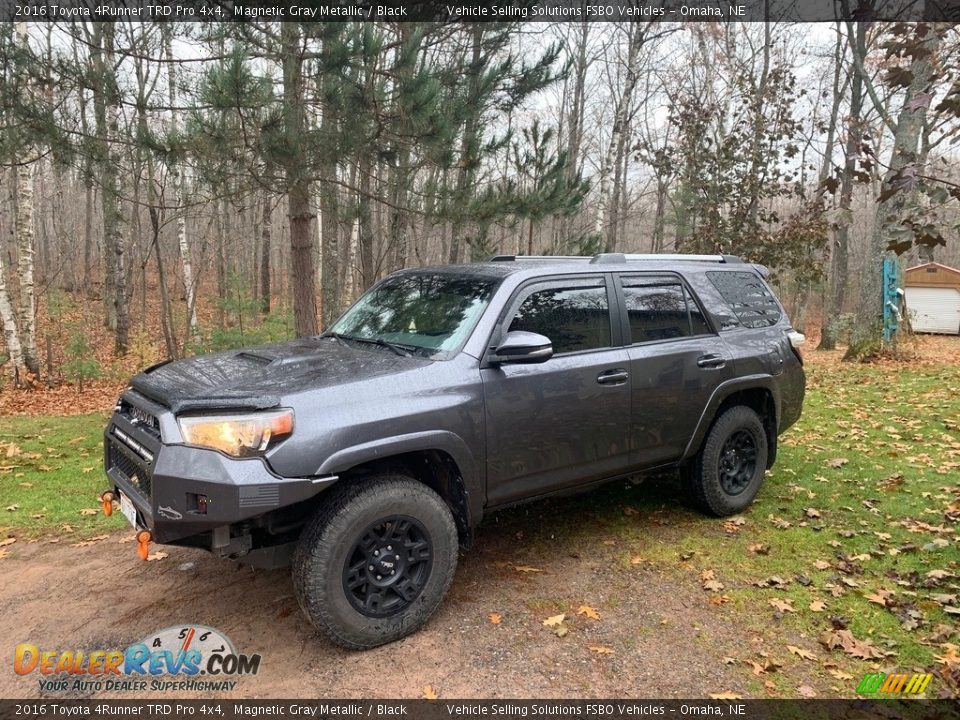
[(607, 258), (676, 257), (512, 258)]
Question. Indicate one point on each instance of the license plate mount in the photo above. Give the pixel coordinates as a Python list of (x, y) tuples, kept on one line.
[(128, 510)]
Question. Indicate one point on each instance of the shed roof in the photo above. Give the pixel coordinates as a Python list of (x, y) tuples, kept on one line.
[(932, 274)]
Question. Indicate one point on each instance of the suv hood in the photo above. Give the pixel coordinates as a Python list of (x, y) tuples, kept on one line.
[(257, 378)]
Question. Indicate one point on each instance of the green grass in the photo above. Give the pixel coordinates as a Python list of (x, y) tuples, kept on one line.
[(51, 468), (898, 431)]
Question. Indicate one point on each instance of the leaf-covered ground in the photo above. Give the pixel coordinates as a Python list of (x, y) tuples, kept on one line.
[(847, 563)]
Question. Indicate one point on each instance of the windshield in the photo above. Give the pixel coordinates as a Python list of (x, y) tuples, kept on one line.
[(431, 314)]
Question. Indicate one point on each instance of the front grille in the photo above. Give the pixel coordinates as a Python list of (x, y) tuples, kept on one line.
[(136, 471), (141, 418)]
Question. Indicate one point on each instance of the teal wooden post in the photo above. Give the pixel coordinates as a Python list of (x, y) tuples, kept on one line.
[(891, 309)]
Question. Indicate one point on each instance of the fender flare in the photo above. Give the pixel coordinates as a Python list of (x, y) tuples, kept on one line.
[(442, 440), (721, 393)]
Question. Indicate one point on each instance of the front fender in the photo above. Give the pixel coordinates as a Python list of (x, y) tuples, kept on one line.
[(442, 440)]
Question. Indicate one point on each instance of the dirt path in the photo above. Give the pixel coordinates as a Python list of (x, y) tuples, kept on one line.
[(665, 640)]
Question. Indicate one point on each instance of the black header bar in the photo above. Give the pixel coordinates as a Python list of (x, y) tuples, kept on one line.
[(441, 709), (479, 10)]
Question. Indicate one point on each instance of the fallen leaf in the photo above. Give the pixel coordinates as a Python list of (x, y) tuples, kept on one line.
[(495, 618), (839, 674), (526, 569), (429, 693), (812, 513), (8, 541), (713, 586), (4, 553), (89, 511), (725, 695), (629, 511), (837, 462), (636, 560), (774, 581), (158, 555), (807, 691), (880, 597), (845, 641), (601, 649), (950, 657), (821, 565), (758, 548), (554, 620), (560, 630), (801, 653), (589, 612), (783, 605), (12, 508), (719, 599), (818, 606)]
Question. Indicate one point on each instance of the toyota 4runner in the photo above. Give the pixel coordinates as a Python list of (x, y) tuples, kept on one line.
[(365, 456)]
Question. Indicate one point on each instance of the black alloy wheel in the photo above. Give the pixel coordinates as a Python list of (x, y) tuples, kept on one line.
[(375, 561), (737, 463), (388, 567)]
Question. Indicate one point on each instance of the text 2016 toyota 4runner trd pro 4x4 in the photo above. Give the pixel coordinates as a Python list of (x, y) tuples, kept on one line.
[(366, 455)]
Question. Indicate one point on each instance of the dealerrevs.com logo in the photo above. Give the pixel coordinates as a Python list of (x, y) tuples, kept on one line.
[(191, 657)]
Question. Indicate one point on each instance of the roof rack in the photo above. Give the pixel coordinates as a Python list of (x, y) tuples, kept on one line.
[(615, 258)]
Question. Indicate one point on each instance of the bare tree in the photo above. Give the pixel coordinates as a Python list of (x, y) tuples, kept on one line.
[(176, 180)]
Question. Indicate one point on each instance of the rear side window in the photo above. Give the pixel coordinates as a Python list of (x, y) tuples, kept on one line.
[(748, 297), (574, 319), (661, 311)]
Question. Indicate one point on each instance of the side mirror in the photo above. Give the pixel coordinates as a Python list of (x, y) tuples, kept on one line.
[(523, 347)]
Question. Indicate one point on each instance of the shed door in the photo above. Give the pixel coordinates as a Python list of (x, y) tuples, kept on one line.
[(934, 310)]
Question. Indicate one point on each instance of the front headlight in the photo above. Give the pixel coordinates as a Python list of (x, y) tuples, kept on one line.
[(237, 435)]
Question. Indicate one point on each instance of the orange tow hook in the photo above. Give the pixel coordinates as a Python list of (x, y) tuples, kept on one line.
[(107, 500), (143, 544)]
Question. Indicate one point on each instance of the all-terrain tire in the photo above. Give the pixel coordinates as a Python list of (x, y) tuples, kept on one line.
[(709, 479), (350, 512)]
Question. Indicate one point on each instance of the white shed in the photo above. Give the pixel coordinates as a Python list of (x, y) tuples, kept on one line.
[(932, 295)]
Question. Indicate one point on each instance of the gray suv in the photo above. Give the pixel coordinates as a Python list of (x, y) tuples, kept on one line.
[(366, 456)]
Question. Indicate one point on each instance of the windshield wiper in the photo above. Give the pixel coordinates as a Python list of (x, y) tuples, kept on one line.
[(401, 350)]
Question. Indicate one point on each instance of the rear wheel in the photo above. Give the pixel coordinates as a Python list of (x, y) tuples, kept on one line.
[(727, 473), (375, 562)]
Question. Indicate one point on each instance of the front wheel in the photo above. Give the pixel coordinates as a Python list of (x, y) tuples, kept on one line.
[(374, 563), (726, 474)]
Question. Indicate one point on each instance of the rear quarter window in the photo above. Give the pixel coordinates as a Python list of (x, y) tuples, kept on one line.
[(748, 296)]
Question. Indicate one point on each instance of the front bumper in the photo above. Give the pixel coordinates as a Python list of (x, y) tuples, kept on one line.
[(164, 480)]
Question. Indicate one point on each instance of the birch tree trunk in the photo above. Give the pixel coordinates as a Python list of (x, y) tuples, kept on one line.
[(11, 334), (27, 314), (615, 147), (25, 225), (176, 180)]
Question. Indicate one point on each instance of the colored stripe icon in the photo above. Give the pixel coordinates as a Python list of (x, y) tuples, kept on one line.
[(897, 683)]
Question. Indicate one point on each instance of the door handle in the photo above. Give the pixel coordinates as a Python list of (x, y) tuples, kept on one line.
[(613, 377), (711, 362)]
